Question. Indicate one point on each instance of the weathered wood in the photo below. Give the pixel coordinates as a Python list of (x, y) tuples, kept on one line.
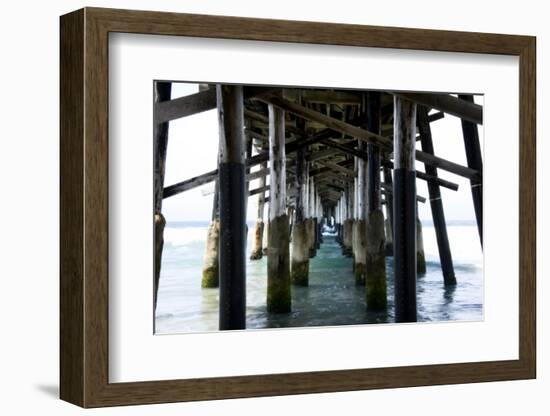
[(404, 203), (163, 91), (436, 116), (257, 135), (388, 190), (475, 161), (278, 261), (388, 180), (436, 203), (210, 265), (360, 237), (338, 168), (448, 104), (321, 154), (299, 268), (375, 244), (323, 96), (363, 155), (197, 103), (373, 152), (187, 105), (365, 135), (232, 200), (257, 249)]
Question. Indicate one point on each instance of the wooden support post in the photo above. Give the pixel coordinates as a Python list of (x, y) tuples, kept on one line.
[(404, 205), (348, 222), (389, 211), (337, 220), (420, 256), (257, 250), (436, 203), (163, 92), (300, 251), (232, 200), (311, 221), (360, 238), (210, 265), (278, 262), (354, 237), (265, 240), (318, 221), (375, 277), (475, 161)]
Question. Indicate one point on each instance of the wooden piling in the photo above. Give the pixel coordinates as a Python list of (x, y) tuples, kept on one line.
[(360, 234), (375, 277), (257, 250), (389, 210), (404, 204), (475, 161), (299, 269), (232, 205), (436, 203), (348, 223), (265, 239), (162, 92), (278, 262), (210, 264), (311, 222)]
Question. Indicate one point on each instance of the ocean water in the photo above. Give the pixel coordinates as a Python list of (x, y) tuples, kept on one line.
[(331, 298)]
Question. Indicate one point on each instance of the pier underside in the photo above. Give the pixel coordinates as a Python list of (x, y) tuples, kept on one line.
[(337, 228)]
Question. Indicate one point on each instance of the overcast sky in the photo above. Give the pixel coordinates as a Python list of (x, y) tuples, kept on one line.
[(193, 146)]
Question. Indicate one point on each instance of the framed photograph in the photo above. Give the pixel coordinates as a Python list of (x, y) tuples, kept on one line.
[(256, 207)]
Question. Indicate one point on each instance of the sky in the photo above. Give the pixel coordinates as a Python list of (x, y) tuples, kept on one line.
[(193, 147)]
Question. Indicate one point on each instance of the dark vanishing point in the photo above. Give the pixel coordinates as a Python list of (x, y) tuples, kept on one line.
[(335, 159)]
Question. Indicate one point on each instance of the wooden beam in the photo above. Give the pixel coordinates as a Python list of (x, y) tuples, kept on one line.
[(475, 161), (428, 178), (365, 135), (436, 116), (187, 105), (163, 91), (323, 96), (255, 135), (196, 181), (197, 103), (448, 104), (258, 190), (436, 203), (388, 190), (321, 154), (338, 168)]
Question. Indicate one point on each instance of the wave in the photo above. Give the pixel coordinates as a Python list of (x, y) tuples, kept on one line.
[(178, 236)]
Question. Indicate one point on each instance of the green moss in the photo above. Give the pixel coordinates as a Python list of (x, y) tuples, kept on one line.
[(210, 277), (257, 254), (278, 266), (375, 283), (299, 273)]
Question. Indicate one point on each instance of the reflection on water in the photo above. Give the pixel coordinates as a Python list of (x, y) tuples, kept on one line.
[(331, 298)]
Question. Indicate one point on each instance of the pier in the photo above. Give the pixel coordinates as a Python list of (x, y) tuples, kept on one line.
[(341, 161)]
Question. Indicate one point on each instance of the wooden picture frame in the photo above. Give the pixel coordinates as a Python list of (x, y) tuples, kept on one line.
[(84, 207)]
